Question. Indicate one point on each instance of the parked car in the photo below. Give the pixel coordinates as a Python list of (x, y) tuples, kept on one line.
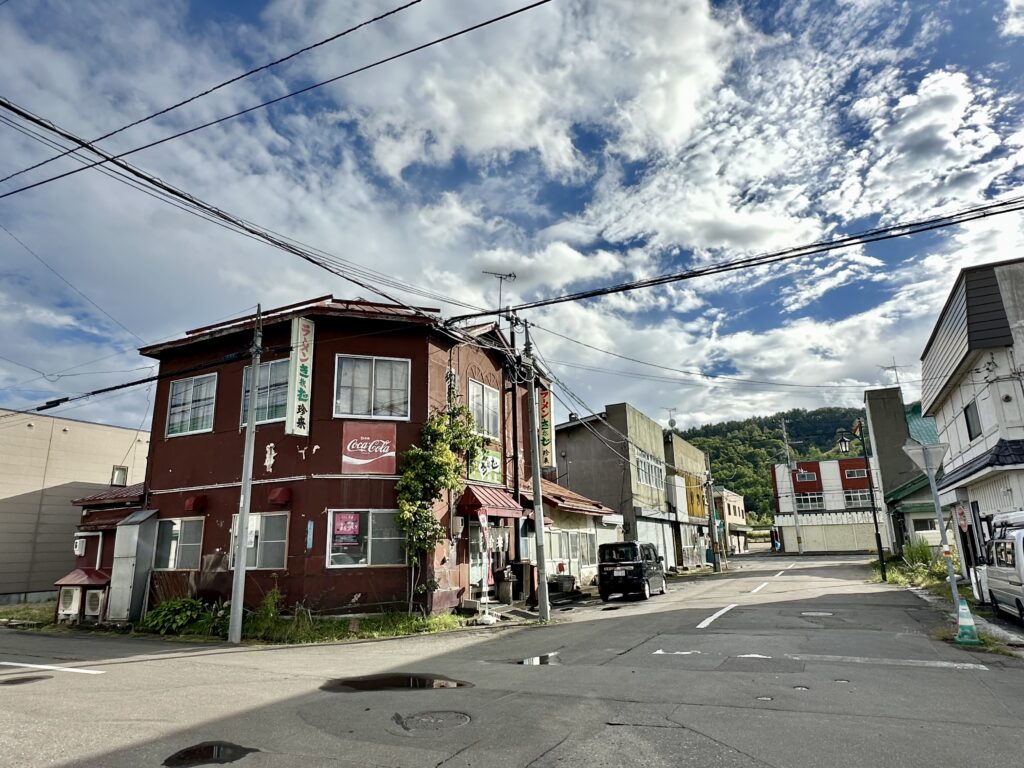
[(1006, 571), (629, 567)]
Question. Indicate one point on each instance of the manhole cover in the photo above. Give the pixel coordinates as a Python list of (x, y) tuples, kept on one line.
[(23, 680), (392, 683), (208, 753), (432, 721), (548, 659), (816, 613)]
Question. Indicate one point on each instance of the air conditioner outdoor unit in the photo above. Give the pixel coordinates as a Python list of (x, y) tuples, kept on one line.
[(79, 547), (70, 601), (93, 603)]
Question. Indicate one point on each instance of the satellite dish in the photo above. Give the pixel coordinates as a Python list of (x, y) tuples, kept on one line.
[(671, 422)]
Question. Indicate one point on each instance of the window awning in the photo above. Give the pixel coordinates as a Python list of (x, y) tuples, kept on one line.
[(488, 500), (84, 577)]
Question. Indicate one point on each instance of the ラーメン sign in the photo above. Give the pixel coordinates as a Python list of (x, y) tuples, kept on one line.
[(300, 378), (547, 430), (368, 448)]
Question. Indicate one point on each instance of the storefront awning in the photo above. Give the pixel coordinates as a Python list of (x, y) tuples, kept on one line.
[(488, 500)]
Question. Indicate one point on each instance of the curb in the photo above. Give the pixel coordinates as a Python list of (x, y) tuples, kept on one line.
[(1001, 634)]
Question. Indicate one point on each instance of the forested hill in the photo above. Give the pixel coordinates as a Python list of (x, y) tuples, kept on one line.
[(742, 452)]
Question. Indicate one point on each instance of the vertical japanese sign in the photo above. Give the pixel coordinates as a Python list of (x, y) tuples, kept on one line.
[(547, 430), (300, 378)]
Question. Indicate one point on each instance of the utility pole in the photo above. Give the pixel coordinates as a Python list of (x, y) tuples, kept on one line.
[(790, 469), (516, 484), (709, 495), (543, 606), (245, 496)]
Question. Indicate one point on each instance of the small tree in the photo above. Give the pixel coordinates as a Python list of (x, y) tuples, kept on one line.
[(448, 440)]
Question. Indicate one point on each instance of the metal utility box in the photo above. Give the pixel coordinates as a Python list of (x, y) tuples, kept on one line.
[(134, 544)]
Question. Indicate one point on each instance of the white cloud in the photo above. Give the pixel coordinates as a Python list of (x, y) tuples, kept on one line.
[(1013, 23)]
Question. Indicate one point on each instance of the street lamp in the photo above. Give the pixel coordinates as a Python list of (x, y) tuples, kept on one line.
[(843, 441)]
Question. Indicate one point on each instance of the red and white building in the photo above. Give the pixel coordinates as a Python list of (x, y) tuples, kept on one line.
[(831, 502)]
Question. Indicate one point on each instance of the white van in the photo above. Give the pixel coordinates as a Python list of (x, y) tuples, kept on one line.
[(1006, 569)]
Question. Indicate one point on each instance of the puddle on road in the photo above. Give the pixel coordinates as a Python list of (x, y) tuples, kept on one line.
[(801, 688), (764, 698), (816, 613), (840, 680), (617, 607), (22, 680), (548, 659), (392, 683), (208, 753)]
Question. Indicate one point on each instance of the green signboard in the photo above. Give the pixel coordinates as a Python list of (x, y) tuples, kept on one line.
[(487, 467)]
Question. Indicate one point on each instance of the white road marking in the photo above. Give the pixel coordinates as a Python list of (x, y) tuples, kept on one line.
[(752, 656), (778, 574), (660, 652), (790, 566), (890, 662), (758, 589), (707, 622), (55, 669)]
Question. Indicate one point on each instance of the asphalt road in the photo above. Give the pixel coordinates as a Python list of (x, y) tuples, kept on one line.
[(808, 666)]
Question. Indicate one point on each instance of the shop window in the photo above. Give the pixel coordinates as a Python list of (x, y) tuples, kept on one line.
[(190, 409), (267, 542), (364, 537), (179, 543), (371, 387)]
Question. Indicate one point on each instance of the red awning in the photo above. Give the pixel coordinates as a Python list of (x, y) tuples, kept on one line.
[(490, 501), (84, 577)]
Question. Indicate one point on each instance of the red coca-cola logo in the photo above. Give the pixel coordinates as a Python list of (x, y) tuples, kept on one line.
[(368, 449)]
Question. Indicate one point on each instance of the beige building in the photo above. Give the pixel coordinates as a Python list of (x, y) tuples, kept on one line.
[(685, 472), (45, 462), (733, 510)]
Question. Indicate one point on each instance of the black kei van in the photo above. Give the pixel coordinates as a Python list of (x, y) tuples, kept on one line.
[(629, 567)]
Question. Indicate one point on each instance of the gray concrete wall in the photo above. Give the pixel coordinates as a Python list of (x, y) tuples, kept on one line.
[(887, 422), (589, 467)]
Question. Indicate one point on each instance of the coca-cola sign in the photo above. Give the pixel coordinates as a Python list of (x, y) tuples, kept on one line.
[(368, 448)]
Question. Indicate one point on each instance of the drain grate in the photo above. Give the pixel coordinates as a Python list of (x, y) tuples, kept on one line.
[(432, 721), (392, 683)]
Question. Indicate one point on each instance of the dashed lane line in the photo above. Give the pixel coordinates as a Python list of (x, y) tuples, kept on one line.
[(52, 667), (778, 574), (758, 589), (707, 622)]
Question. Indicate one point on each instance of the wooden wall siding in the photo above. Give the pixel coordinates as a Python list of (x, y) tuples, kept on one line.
[(974, 318)]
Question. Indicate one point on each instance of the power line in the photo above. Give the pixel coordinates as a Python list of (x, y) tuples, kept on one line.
[(71, 285), (350, 73), (201, 213), (878, 234), (217, 87)]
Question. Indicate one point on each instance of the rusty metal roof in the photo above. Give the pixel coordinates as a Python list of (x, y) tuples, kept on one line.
[(118, 494), (564, 499), (490, 501), (84, 577)]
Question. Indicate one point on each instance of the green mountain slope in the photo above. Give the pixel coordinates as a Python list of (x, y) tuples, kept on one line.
[(742, 452)]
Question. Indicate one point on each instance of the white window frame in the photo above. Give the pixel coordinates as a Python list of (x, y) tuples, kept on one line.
[(180, 521), (806, 477), (863, 497), (241, 419), (650, 471), (369, 540), (370, 416), (481, 429), (113, 476), (260, 542), (806, 498), (170, 401), (855, 474), (929, 525)]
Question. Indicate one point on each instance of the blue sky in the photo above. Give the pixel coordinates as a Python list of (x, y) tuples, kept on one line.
[(580, 144)]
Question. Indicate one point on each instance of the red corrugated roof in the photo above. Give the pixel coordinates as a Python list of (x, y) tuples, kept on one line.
[(105, 519), (84, 577), (122, 494), (489, 500)]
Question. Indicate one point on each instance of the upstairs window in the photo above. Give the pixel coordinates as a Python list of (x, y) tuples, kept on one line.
[(857, 498), (271, 391), (649, 470), (973, 420), (806, 477), (191, 405), (485, 406), (371, 387), (806, 502), (854, 474)]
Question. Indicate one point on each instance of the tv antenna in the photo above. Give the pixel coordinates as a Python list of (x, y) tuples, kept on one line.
[(671, 416), (502, 277)]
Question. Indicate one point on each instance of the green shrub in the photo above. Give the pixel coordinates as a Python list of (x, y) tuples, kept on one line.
[(918, 553), (171, 617), (214, 622)]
